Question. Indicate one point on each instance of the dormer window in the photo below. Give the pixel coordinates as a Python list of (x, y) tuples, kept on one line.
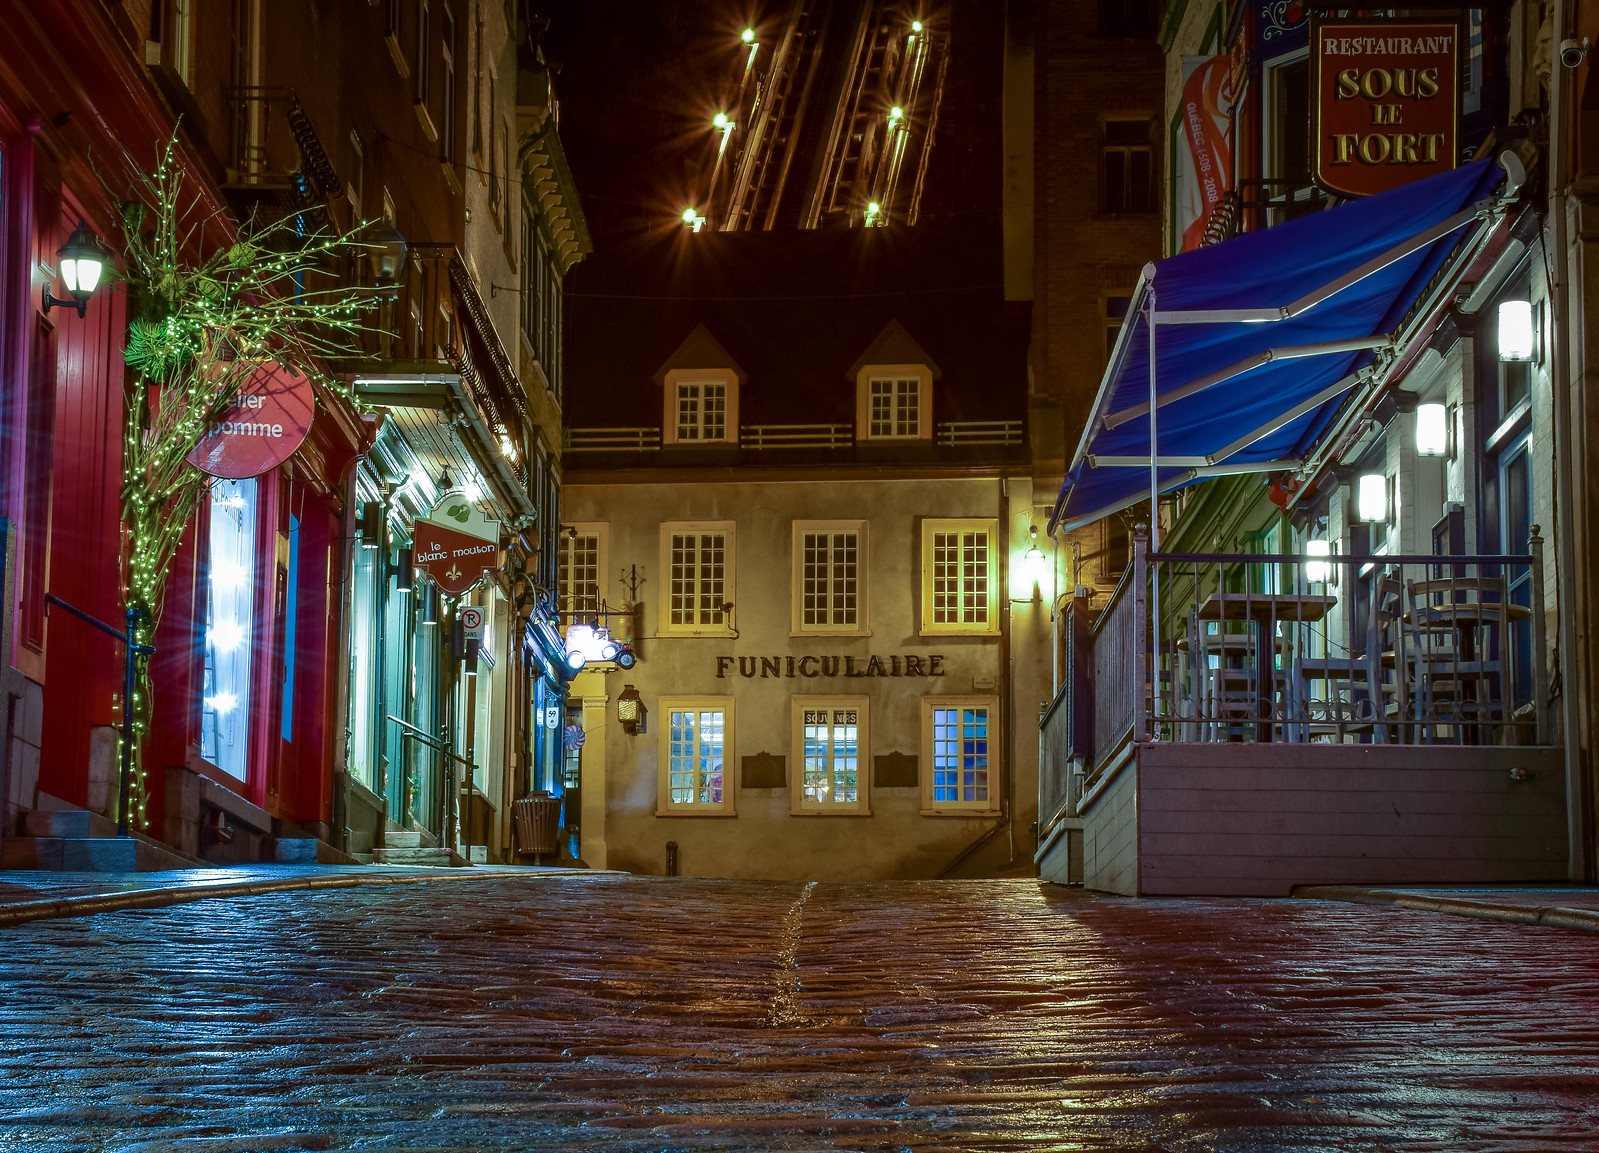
[(895, 407), (894, 388), (699, 393), (701, 410)]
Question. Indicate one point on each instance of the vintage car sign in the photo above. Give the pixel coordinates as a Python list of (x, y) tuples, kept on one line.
[(1387, 102), (456, 544), (269, 420)]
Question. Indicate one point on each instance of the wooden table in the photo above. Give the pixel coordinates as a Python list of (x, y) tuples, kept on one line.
[(1265, 610)]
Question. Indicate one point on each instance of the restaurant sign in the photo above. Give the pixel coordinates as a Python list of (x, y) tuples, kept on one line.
[(1387, 102), (268, 420), (456, 543)]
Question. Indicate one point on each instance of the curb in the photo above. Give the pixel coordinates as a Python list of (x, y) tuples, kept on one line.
[(21, 912), (1550, 916)]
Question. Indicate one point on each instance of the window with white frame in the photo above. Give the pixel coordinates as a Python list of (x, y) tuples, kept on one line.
[(830, 577), (702, 410), (229, 633), (895, 408), (698, 560), (959, 754), (582, 574), (830, 751), (696, 745), (959, 576)]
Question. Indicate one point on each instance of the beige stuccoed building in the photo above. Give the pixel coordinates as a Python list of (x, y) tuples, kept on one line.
[(813, 527)]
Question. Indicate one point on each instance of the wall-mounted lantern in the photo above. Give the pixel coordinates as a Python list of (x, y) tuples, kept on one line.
[(81, 260), (1432, 430), (1371, 498), (1318, 571), (1518, 335), (629, 709), (387, 252)]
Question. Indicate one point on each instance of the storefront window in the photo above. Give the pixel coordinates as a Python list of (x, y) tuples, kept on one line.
[(229, 626)]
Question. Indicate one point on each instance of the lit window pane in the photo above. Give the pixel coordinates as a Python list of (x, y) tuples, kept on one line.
[(230, 618)]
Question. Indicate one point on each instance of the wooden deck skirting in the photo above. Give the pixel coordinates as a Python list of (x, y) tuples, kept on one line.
[(1189, 819)]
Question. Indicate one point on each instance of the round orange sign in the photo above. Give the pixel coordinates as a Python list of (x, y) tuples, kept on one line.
[(270, 418)]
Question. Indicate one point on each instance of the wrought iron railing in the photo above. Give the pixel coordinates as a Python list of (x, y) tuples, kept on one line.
[(272, 144), (1291, 648), (1257, 204)]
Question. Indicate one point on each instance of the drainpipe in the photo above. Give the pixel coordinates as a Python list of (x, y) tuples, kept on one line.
[(1572, 635), (1007, 690)]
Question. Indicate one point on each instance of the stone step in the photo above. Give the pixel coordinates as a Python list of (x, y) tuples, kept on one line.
[(363, 858), (310, 851), (91, 855), (409, 839), (67, 823), (435, 857)]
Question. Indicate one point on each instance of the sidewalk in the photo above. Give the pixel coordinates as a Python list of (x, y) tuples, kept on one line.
[(30, 895), (1557, 908)]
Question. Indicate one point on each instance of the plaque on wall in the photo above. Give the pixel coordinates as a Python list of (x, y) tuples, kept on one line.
[(764, 771), (895, 771)]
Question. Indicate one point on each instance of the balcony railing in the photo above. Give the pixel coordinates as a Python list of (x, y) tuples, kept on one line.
[(768, 437), (1379, 649), (1258, 204), (274, 150)]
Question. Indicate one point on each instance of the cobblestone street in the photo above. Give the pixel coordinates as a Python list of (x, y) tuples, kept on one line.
[(612, 1012)]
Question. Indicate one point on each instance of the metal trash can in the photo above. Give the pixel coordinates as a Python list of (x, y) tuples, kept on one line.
[(537, 817)]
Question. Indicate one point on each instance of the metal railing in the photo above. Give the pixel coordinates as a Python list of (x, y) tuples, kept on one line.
[(611, 439), (273, 145), (444, 816), (1258, 204), (1325, 649), (974, 433), (769, 436)]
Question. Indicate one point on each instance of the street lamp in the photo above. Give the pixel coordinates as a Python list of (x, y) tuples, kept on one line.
[(896, 113), (629, 709), (1034, 560), (722, 120), (748, 36), (81, 258)]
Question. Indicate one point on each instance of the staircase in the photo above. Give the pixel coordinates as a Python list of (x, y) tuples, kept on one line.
[(76, 840), (415, 847)]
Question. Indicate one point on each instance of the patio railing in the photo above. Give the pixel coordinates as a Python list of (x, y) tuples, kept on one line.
[(1368, 649)]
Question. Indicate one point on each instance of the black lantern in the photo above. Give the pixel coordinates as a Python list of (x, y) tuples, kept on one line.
[(629, 709), (81, 259), (387, 252)]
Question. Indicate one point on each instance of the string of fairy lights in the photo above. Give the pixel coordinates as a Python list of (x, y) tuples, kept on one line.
[(203, 329)]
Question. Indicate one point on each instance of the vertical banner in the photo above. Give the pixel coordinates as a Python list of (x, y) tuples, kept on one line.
[(1206, 165), (1387, 102)]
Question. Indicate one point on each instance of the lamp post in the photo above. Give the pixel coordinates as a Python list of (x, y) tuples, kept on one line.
[(81, 259)]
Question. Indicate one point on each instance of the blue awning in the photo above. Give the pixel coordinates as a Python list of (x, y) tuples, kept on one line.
[(1259, 339)]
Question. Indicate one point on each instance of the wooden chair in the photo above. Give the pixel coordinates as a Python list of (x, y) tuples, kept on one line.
[(1361, 698)]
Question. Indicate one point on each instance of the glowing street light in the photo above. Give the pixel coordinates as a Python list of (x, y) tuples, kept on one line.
[(872, 210), (916, 25), (722, 120), (748, 36), (896, 113), (693, 219)]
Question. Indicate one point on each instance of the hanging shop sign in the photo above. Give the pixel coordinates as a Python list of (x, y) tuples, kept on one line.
[(455, 544), (810, 666), (1387, 102), (269, 420)]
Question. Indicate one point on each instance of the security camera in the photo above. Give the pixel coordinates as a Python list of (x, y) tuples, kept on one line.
[(1573, 52)]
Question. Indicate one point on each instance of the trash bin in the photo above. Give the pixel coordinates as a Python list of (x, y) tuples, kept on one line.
[(537, 817)]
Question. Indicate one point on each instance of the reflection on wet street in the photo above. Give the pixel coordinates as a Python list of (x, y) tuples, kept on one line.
[(623, 1013)]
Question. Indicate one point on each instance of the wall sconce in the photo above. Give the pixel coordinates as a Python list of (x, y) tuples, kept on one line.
[(1432, 430), (81, 258), (1371, 498), (629, 709), (1518, 336), (1318, 571)]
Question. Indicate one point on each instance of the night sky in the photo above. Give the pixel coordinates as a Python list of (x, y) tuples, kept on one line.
[(639, 82)]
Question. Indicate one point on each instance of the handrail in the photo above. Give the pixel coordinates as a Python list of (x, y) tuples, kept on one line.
[(432, 742)]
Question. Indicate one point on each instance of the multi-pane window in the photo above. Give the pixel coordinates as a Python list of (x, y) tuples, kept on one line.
[(702, 411), (895, 408), (696, 742), (829, 579), (1127, 167), (960, 754), (961, 762), (958, 573), (698, 560), (831, 756), (580, 578)]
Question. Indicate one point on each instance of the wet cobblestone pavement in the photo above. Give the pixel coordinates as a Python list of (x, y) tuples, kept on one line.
[(623, 1013)]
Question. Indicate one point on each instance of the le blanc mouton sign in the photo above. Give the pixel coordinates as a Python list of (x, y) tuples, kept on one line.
[(455, 543), (1386, 95)]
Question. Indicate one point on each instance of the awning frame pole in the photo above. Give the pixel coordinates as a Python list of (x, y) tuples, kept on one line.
[(1154, 522)]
